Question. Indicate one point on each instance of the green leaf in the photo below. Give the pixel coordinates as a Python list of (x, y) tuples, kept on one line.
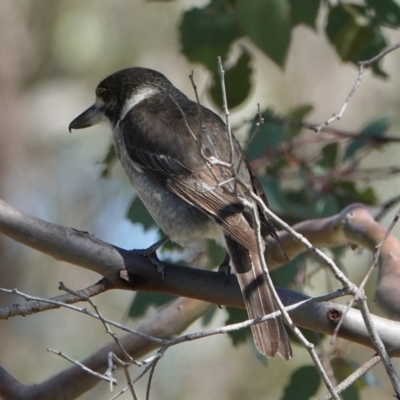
[(376, 128), (109, 160), (237, 82), (303, 384), (354, 34), (348, 189), (329, 155), (285, 276), (215, 253), (236, 315), (304, 12), (208, 32), (298, 205), (296, 117), (270, 135), (387, 12), (208, 316), (138, 213), (308, 203), (341, 370), (268, 25), (275, 195), (144, 300), (326, 205)]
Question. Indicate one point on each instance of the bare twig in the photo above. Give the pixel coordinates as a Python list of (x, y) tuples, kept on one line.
[(361, 67), (184, 117), (379, 345), (346, 283), (259, 122), (360, 297), (84, 368), (125, 366), (362, 370), (101, 318), (368, 273), (376, 340), (153, 367), (83, 311), (221, 73), (386, 207), (309, 346), (34, 307), (260, 247)]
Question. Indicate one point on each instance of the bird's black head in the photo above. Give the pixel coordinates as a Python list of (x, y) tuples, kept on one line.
[(119, 92)]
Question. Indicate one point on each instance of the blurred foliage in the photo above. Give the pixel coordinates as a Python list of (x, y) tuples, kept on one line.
[(304, 174), (236, 315), (312, 176), (342, 368), (303, 384), (355, 35), (108, 161), (138, 213), (267, 23), (238, 83), (208, 32), (144, 300), (375, 129), (353, 28)]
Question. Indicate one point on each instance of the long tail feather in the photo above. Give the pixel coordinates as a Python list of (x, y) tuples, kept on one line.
[(270, 336)]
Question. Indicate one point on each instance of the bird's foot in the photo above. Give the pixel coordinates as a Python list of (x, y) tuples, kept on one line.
[(151, 254)]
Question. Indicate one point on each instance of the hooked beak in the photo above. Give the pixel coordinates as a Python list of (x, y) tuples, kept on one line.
[(92, 116)]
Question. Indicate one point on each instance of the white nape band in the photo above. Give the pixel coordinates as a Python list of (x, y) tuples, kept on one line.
[(136, 98)]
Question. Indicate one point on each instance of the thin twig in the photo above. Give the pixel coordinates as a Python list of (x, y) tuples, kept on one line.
[(357, 374), (346, 283), (260, 247), (352, 288), (183, 116), (151, 374), (386, 207), (378, 345), (125, 366), (101, 318), (252, 136), (83, 311), (221, 73), (360, 297), (86, 369), (309, 346), (361, 67), (367, 275), (34, 307), (249, 322)]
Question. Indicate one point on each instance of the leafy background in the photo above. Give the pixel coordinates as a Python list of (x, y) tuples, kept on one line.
[(296, 58)]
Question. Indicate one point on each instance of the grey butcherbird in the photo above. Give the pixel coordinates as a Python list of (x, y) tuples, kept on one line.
[(173, 151)]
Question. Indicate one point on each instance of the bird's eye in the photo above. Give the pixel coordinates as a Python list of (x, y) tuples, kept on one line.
[(101, 92)]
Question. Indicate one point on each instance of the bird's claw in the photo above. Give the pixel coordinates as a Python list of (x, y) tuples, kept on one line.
[(151, 254)]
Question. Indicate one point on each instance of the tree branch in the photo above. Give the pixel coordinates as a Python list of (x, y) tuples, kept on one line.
[(73, 381), (354, 224)]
